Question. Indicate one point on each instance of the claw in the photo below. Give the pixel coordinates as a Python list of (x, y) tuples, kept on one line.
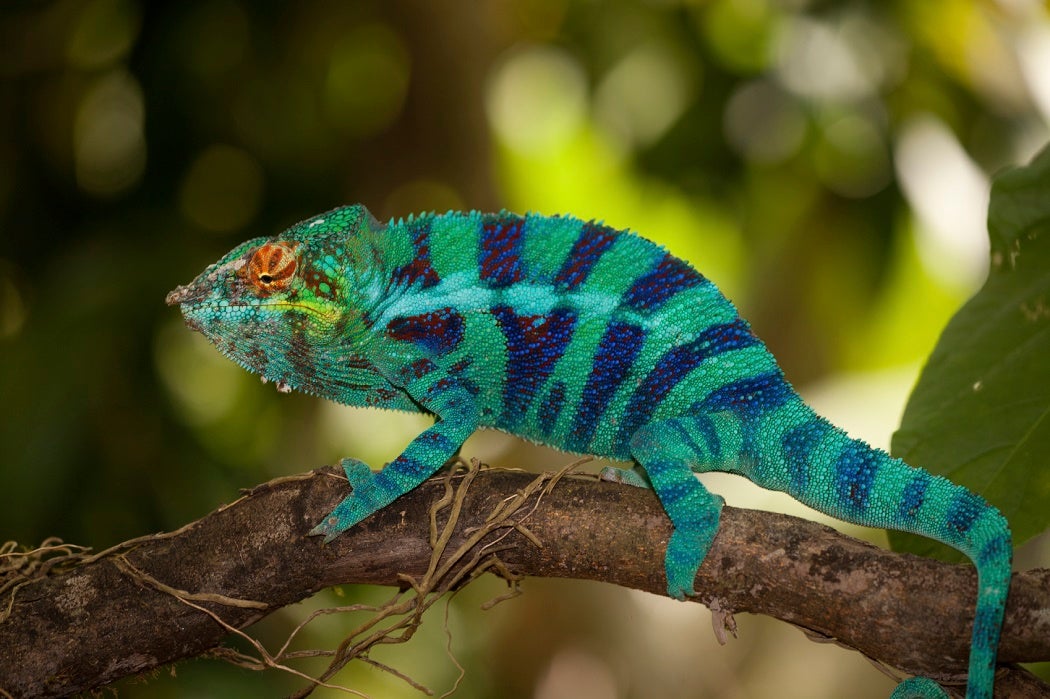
[(329, 528), (357, 472), (627, 476), (356, 506)]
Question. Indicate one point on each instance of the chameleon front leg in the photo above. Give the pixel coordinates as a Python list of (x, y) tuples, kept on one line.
[(457, 416)]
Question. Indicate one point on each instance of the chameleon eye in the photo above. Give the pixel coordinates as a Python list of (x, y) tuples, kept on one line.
[(272, 267)]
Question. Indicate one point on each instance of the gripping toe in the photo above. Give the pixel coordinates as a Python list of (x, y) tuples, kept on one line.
[(358, 473), (685, 553), (354, 507), (627, 476)]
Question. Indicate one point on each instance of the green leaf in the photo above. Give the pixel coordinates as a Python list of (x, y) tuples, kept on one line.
[(980, 413)]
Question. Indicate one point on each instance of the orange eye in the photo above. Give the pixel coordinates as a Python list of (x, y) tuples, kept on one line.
[(272, 267)]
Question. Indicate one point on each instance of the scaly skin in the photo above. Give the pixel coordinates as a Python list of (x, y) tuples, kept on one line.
[(578, 336)]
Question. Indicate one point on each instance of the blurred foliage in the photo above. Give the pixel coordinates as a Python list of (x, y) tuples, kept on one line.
[(825, 162), (980, 413)]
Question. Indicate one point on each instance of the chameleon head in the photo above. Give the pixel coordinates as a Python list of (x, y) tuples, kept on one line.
[(275, 305)]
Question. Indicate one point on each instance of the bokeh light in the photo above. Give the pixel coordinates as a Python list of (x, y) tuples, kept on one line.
[(109, 146), (222, 189)]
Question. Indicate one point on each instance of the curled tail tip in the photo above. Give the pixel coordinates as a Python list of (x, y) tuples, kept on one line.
[(919, 688)]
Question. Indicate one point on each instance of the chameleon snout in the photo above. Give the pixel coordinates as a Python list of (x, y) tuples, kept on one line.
[(183, 294)]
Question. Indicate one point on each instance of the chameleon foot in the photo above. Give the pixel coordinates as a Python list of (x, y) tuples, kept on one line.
[(358, 473), (690, 541), (627, 476), (685, 553), (354, 507)]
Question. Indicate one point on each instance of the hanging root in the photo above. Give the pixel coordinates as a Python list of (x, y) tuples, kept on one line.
[(396, 620)]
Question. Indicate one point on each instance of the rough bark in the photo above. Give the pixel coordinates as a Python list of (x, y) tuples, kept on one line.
[(117, 614)]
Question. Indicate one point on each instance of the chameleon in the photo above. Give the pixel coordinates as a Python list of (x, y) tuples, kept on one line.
[(579, 336)]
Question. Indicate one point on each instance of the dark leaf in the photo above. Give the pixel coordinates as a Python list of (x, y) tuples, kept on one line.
[(980, 413)]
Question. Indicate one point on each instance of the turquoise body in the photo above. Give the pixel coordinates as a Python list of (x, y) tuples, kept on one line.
[(578, 336)]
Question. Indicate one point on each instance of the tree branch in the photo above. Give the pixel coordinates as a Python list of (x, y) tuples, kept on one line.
[(118, 613)]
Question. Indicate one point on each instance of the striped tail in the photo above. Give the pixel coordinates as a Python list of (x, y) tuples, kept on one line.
[(871, 488)]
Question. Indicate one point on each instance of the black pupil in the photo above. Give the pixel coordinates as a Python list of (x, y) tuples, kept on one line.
[(265, 278)]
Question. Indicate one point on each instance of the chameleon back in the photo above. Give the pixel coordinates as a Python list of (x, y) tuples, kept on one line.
[(567, 332)]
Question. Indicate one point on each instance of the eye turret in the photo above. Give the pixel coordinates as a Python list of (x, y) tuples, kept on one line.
[(272, 267)]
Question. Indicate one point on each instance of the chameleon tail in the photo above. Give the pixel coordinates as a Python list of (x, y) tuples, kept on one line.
[(968, 523), (871, 488)]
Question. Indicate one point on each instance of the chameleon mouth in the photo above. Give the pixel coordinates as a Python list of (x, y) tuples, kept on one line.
[(192, 299)]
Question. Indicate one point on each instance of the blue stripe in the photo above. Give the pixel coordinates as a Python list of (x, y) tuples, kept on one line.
[(705, 427), (963, 512), (997, 549), (672, 492), (594, 239), (798, 444), (390, 479), (686, 437), (612, 362), (534, 344), (416, 369), (855, 471), (914, 496), (419, 269), (438, 332), (550, 408), (671, 276), (751, 397), (987, 625), (432, 439), (675, 365), (499, 255)]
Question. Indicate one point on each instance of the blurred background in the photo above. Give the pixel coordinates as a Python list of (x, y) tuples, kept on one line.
[(826, 163)]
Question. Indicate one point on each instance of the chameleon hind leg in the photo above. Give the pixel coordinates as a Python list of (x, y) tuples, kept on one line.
[(669, 450)]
